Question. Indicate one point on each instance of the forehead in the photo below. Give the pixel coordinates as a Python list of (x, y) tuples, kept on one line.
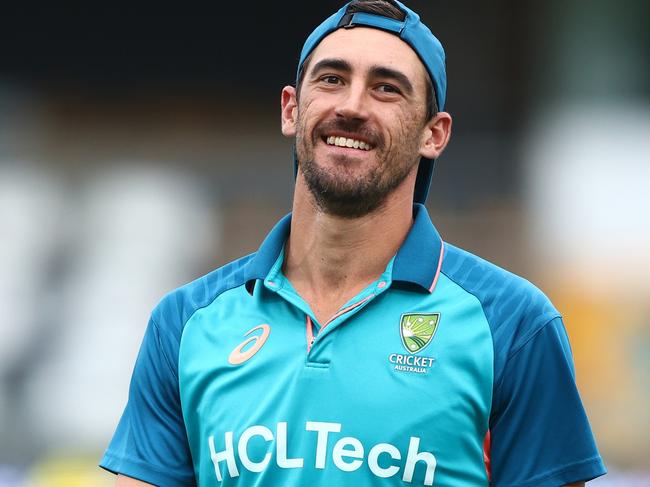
[(363, 47)]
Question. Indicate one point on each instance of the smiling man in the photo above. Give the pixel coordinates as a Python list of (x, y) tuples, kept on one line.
[(356, 347)]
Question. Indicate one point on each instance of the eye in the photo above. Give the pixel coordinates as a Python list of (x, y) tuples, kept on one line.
[(330, 79), (386, 88)]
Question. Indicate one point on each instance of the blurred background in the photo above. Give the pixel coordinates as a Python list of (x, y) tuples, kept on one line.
[(140, 148)]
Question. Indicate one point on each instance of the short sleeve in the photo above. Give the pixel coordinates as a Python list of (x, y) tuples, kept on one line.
[(150, 443), (540, 434)]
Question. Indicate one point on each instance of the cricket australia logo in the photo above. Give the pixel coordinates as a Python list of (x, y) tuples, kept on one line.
[(417, 331)]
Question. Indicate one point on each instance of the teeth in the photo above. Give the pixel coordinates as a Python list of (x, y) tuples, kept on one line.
[(345, 142)]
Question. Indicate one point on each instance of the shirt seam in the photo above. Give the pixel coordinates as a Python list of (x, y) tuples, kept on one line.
[(524, 342), (519, 348), (499, 381), (183, 325), (225, 290), (180, 339), (513, 352), (487, 321), (471, 294), (162, 349)]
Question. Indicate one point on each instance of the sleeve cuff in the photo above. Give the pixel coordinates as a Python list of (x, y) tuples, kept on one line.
[(145, 472), (576, 472)]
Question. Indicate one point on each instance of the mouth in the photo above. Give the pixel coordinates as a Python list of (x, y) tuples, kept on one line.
[(347, 142)]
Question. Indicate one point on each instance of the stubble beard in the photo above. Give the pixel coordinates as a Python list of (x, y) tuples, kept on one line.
[(339, 192)]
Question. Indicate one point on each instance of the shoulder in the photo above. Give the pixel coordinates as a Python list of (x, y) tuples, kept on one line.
[(515, 309), (175, 308)]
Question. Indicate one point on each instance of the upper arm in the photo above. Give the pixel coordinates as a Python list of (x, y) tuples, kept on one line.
[(150, 442), (539, 429)]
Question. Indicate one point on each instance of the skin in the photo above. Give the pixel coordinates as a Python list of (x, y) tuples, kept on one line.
[(323, 249), (357, 100), (123, 481)]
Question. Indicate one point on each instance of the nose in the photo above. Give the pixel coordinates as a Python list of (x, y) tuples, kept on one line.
[(353, 103)]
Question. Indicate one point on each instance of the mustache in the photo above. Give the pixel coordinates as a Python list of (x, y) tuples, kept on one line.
[(351, 126)]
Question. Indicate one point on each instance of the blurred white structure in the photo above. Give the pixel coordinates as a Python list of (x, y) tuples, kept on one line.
[(588, 193), (31, 204), (139, 231), (32, 226)]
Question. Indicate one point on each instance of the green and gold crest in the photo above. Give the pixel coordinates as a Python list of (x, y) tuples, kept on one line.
[(417, 330)]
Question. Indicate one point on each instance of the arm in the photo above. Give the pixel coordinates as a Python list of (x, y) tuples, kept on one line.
[(123, 481), (150, 442), (540, 433)]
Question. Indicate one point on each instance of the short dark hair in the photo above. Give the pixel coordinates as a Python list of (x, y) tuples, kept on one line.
[(390, 9), (387, 8)]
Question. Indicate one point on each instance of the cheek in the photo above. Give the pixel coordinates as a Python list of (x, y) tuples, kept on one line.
[(402, 126), (406, 134), (311, 112), (304, 113), (412, 123)]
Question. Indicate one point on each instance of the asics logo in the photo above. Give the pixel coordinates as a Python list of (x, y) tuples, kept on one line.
[(238, 356)]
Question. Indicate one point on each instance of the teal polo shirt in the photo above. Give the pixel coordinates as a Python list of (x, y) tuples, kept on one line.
[(445, 371)]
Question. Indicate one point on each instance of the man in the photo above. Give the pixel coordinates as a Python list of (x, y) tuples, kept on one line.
[(355, 347)]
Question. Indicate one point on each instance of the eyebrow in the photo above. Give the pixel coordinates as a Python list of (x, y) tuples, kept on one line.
[(332, 63), (376, 71), (399, 77)]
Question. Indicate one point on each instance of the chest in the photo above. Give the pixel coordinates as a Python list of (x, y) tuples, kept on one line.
[(400, 385)]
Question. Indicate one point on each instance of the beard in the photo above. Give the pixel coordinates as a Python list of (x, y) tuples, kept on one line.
[(339, 191)]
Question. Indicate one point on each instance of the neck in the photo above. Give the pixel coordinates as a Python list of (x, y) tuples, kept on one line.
[(330, 259)]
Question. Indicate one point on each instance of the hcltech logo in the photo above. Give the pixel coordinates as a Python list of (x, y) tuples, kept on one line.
[(346, 453), (417, 331)]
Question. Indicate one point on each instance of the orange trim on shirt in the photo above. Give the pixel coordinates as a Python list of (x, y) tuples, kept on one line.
[(487, 444), (440, 259)]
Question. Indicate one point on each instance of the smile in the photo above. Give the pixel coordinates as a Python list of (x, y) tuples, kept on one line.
[(346, 142)]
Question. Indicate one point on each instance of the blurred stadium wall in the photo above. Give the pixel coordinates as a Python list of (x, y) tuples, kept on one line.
[(140, 150)]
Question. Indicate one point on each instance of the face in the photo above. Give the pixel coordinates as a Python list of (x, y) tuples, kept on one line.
[(359, 120)]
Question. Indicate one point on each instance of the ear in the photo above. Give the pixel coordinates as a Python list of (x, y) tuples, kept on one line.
[(436, 135), (289, 111)]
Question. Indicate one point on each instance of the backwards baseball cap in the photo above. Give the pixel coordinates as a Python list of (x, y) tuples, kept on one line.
[(417, 35)]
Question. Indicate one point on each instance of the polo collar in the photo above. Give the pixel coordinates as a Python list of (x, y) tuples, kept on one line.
[(418, 261), (262, 262)]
